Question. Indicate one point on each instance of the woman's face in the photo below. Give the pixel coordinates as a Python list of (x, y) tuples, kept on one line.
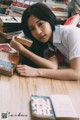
[(40, 30)]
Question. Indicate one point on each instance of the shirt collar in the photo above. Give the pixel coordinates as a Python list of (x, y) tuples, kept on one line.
[(56, 35)]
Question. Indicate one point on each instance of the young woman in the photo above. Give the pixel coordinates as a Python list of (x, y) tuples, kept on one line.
[(40, 24)]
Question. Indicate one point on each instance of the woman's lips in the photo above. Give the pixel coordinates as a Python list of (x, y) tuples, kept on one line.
[(42, 37)]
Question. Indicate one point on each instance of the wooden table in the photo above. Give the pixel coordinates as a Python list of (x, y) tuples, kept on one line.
[(15, 94)]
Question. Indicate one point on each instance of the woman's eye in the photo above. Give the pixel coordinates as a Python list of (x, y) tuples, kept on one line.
[(40, 24)]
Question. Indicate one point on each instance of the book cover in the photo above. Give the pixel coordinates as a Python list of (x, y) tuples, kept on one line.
[(7, 48), (54, 107), (21, 38), (10, 20), (8, 62), (42, 108), (63, 107), (73, 20)]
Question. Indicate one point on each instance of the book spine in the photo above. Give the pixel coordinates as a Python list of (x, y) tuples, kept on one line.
[(10, 24), (10, 29)]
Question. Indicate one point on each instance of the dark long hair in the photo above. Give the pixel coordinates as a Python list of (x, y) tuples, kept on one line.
[(40, 11)]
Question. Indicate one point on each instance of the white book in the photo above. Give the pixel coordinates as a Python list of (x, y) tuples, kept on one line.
[(63, 107)]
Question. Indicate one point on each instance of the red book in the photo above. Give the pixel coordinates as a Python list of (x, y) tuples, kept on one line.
[(73, 20), (7, 48)]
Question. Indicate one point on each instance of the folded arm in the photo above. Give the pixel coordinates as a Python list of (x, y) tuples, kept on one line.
[(72, 73)]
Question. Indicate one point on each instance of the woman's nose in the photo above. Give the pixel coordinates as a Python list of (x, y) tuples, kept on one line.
[(38, 30)]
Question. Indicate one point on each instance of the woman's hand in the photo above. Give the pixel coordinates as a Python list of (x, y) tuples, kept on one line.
[(16, 45), (25, 70)]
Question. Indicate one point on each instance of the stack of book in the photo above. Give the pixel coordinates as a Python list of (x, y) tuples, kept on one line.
[(9, 26), (77, 7), (8, 63), (19, 7), (9, 58), (59, 9)]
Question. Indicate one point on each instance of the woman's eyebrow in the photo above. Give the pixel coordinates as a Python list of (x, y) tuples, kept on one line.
[(33, 25), (38, 21)]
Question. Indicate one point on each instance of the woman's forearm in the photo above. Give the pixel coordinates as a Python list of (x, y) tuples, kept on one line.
[(41, 62), (59, 74)]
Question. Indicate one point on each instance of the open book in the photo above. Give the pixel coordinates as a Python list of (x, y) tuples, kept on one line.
[(55, 107), (8, 62), (21, 38)]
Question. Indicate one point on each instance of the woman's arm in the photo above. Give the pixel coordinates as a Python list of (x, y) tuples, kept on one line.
[(52, 63), (72, 73)]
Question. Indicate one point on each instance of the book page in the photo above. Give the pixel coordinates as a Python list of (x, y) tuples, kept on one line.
[(63, 106)]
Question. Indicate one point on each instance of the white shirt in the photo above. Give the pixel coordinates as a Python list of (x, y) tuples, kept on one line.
[(67, 40)]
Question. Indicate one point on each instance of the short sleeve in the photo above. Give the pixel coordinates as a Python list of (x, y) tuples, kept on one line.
[(74, 43)]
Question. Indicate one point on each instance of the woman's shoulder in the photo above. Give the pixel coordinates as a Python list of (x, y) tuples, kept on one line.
[(66, 28)]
